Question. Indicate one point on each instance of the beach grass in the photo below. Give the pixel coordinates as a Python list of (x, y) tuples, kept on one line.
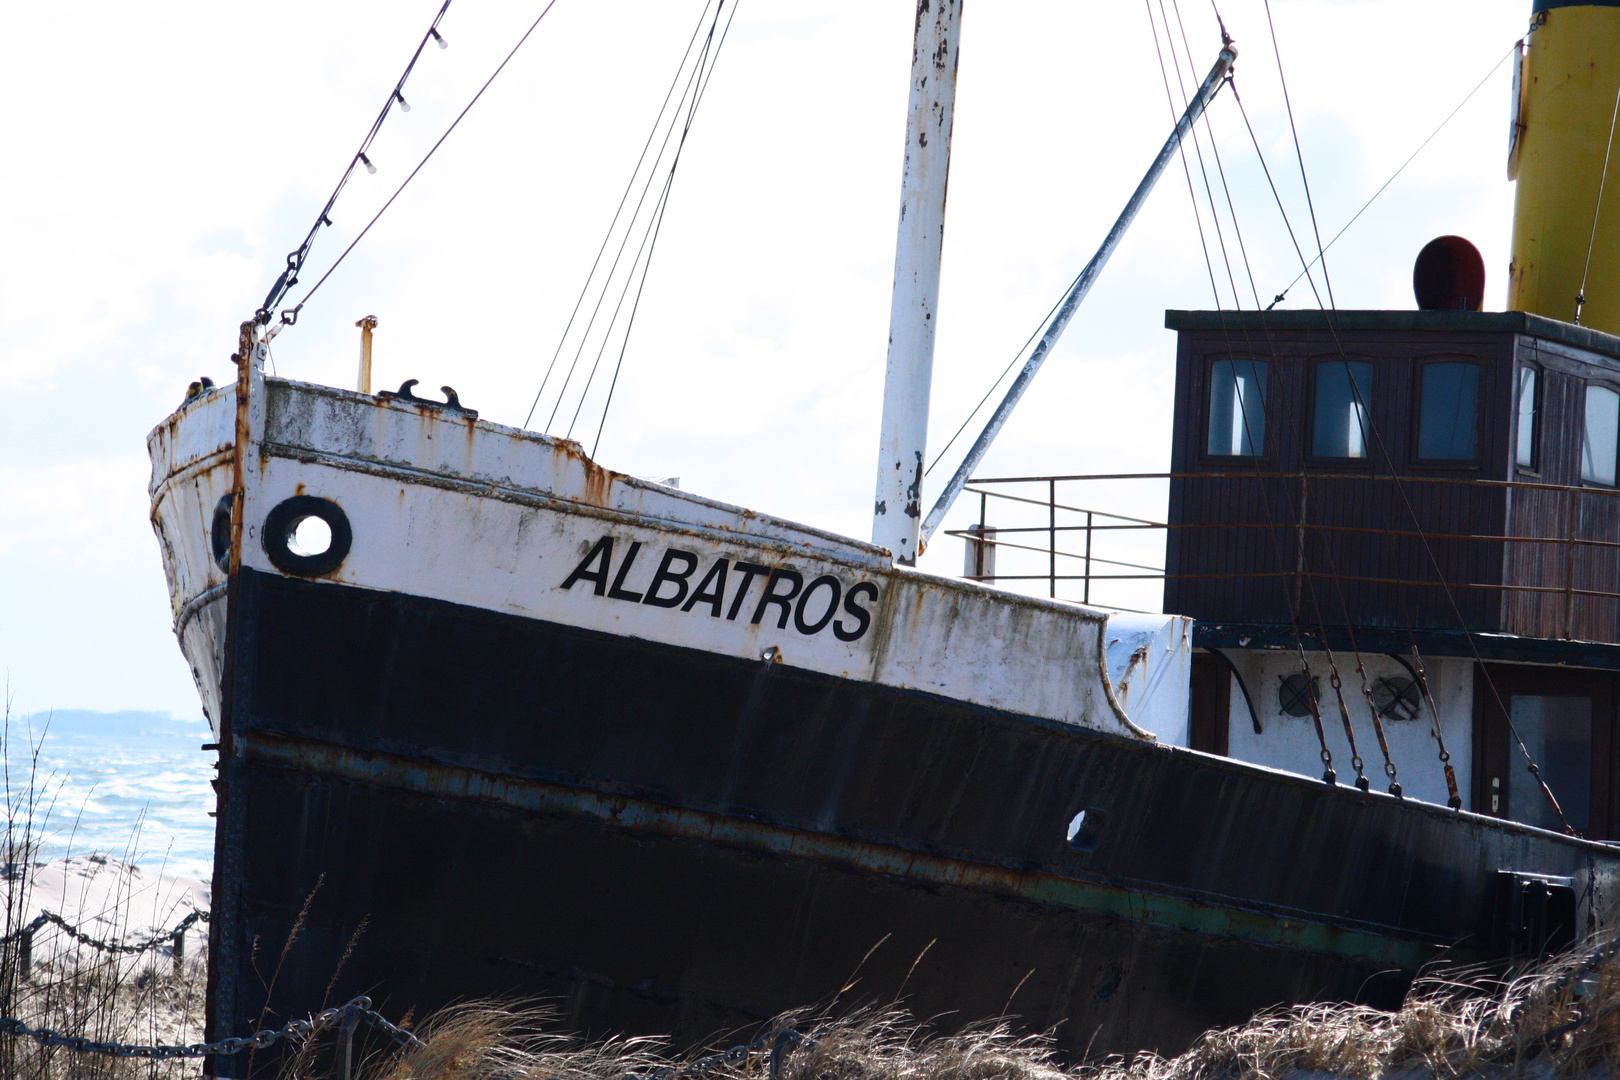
[(50, 980), (1558, 1019)]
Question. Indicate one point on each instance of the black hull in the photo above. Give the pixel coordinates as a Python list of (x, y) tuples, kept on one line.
[(663, 840)]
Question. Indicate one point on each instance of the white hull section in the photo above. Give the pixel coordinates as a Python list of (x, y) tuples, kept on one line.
[(472, 513)]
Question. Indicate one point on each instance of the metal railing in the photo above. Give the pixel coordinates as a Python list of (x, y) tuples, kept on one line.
[(1052, 539)]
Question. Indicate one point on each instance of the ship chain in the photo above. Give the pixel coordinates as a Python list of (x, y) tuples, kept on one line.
[(163, 938), (781, 1040), (357, 1009)]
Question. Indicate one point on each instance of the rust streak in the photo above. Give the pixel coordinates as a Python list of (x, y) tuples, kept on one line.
[(244, 379)]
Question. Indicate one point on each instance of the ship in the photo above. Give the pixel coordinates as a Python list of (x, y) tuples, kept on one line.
[(495, 721)]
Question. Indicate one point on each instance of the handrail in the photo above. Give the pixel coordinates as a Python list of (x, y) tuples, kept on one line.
[(1245, 474), (1060, 517), (1225, 526)]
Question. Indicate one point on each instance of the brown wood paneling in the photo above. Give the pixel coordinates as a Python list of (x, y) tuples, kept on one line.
[(1246, 546)]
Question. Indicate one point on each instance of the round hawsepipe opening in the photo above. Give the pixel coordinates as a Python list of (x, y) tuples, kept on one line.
[(1449, 275), (294, 548)]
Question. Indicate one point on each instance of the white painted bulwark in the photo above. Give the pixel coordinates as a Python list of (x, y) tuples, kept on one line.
[(449, 508), (913, 310)]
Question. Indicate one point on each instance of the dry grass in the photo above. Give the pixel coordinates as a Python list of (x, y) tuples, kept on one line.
[(487, 1041), (1562, 1020), (74, 989), (105, 1002)]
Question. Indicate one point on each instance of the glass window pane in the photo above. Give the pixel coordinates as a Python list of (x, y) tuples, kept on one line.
[(1237, 408), (1450, 401), (1558, 733), (1343, 396), (1526, 455), (1602, 435)]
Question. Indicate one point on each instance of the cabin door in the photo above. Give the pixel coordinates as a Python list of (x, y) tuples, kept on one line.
[(1566, 721)]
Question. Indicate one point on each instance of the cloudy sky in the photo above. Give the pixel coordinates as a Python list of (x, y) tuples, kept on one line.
[(160, 161)]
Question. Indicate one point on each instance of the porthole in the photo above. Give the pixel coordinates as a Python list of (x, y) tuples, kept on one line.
[(1086, 828), (307, 536), (220, 533)]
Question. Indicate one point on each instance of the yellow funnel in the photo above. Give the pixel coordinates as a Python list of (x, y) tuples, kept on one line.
[(1567, 81)]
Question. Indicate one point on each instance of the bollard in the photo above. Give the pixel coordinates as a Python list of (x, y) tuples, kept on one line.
[(25, 954), (179, 953)]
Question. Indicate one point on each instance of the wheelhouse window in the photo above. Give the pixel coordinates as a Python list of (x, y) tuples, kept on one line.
[(1602, 437), (1237, 408), (1529, 417), (1343, 396), (1448, 412)]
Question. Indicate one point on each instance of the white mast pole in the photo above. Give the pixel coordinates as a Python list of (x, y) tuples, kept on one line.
[(898, 508)]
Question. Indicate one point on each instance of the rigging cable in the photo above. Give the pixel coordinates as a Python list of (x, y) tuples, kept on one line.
[(1198, 149), (652, 242), (295, 258), (691, 88), (1336, 680), (290, 318), (619, 210), (1047, 318), (1299, 155), (1400, 488), (689, 98), (1580, 297), (1181, 147), (1421, 146), (1053, 310), (1328, 775)]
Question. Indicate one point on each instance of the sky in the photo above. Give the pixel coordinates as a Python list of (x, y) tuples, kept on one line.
[(159, 162)]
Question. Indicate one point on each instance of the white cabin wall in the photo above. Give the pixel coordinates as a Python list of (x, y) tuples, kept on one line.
[(1289, 742)]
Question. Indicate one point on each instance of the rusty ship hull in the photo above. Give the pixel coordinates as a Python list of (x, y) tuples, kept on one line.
[(532, 729)]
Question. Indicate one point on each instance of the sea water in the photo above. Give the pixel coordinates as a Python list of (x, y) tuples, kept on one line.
[(131, 785)]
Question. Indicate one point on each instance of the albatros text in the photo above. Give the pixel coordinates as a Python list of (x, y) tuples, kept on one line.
[(784, 594)]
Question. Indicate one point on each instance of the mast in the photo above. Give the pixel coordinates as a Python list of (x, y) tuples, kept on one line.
[(909, 375)]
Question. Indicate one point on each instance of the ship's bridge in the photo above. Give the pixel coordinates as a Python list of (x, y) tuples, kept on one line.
[(1439, 486)]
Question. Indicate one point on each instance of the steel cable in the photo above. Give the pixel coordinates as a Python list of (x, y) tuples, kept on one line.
[(1374, 431), (1329, 775), (657, 229), (1181, 147), (623, 198), (689, 93), (290, 318), (296, 258), (1382, 187), (1597, 208)]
